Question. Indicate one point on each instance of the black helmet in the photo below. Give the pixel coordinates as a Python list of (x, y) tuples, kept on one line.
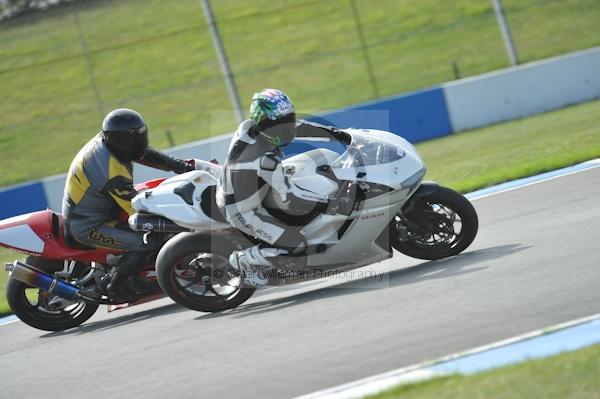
[(275, 116), (125, 133)]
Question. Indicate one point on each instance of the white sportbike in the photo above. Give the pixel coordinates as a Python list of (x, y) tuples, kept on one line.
[(378, 203)]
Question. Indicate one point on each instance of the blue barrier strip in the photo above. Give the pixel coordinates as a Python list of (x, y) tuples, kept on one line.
[(418, 116), (21, 199)]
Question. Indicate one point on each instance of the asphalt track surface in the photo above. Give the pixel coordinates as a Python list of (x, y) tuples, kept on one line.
[(535, 263)]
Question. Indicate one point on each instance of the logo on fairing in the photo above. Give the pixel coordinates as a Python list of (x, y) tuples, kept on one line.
[(147, 226), (376, 215)]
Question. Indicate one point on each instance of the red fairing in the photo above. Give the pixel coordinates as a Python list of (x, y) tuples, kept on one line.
[(149, 184), (50, 232), (17, 234), (41, 234)]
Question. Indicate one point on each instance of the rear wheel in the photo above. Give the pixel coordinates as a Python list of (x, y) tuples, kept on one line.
[(44, 311), (439, 225), (194, 270)]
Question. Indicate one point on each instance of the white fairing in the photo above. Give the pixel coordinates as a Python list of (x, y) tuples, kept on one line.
[(302, 168), (379, 159), (22, 237), (164, 200), (384, 164)]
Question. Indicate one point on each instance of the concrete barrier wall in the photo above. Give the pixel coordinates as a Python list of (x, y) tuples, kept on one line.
[(422, 115), (525, 90)]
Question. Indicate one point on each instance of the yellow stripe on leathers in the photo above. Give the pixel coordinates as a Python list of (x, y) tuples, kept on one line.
[(77, 182), (116, 168)]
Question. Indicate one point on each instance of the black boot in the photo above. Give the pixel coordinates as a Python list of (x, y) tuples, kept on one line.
[(125, 284), (117, 290), (143, 286)]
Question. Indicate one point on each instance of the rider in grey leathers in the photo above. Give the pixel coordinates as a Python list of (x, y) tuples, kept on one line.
[(252, 168)]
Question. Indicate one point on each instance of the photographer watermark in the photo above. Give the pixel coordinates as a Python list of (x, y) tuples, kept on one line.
[(366, 277)]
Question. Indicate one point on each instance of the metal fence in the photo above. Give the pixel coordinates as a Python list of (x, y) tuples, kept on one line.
[(63, 68)]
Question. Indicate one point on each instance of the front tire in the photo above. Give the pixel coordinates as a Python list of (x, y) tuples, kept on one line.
[(193, 270), (441, 224)]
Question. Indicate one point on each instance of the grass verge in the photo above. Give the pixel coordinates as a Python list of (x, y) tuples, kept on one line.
[(520, 148), (309, 48), (571, 375), (6, 256), (482, 157)]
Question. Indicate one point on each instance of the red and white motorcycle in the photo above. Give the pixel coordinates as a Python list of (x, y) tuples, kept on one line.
[(57, 286)]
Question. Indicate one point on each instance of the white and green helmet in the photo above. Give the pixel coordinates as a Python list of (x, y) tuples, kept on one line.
[(272, 107), (270, 104)]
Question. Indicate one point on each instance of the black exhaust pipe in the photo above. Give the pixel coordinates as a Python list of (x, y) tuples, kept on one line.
[(159, 224)]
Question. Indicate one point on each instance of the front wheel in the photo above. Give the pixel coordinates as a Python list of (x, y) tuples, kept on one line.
[(194, 270), (439, 225)]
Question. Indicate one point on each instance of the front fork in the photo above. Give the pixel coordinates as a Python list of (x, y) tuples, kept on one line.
[(412, 217)]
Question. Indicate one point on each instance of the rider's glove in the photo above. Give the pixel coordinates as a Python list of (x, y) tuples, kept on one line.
[(183, 166), (190, 165)]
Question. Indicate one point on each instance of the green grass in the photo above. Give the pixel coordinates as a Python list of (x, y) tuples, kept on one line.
[(494, 154), (6, 256), (157, 57), (507, 151), (569, 375)]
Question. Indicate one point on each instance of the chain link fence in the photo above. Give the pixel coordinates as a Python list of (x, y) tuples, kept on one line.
[(63, 68)]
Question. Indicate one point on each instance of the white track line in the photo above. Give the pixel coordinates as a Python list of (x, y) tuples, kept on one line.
[(418, 372), (8, 320), (529, 181)]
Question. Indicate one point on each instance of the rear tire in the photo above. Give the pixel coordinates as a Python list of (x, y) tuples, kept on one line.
[(205, 288), (40, 317), (439, 239)]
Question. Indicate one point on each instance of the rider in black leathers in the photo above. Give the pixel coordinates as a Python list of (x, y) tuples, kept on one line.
[(99, 185)]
